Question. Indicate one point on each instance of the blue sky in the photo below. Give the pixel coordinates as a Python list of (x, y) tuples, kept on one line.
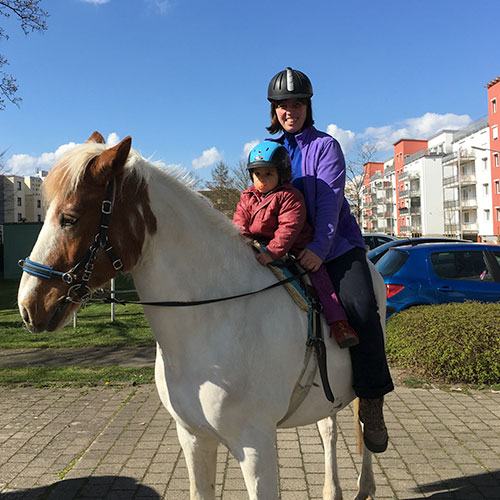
[(187, 79)]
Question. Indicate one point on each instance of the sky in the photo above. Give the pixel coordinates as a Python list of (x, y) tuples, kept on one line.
[(187, 79)]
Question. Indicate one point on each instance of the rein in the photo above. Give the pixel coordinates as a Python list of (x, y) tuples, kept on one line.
[(79, 291)]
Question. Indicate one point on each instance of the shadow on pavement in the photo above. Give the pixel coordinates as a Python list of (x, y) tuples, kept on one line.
[(105, 487), (482, 486)]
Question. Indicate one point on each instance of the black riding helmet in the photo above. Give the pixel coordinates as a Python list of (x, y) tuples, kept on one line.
[(289, 84)]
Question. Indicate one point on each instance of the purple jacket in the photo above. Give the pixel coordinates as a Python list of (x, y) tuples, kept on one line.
[(323, 169)]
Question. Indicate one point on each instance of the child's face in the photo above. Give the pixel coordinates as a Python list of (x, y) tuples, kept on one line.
[(265, 179)]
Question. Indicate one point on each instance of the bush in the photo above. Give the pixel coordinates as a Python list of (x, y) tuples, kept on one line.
[(457, 342)]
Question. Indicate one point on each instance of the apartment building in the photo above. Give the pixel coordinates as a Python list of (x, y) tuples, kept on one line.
[(21, 198), (448, 184)]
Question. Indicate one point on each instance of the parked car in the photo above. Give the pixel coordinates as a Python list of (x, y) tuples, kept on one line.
[(376, 253), (373, 240), (437, 273)]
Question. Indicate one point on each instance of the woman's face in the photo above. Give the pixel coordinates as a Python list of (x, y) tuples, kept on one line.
[(291, 114), (265, 179)]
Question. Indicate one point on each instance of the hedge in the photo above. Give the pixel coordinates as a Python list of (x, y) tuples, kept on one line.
[(457, 342)]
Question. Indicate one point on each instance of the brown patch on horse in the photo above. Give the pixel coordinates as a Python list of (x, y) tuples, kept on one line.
[(96, 137), (110, 163)]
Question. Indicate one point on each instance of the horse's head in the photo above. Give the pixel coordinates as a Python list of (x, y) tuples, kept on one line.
[(97, 217)]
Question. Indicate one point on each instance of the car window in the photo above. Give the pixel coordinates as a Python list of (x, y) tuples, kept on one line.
[(391, 262), (461, 265), (369, 241), (381, 240)]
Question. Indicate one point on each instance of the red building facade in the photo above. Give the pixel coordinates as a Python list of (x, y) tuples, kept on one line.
[(494, 121)]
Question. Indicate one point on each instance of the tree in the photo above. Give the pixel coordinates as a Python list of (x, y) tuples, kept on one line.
[(355, 176), (241, 176), (222, 190), (32, 18)]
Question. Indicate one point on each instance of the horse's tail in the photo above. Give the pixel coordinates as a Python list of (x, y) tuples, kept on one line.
[(357, 427)]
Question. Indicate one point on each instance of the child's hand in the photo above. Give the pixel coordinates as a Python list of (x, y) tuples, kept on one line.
[(264, 258)]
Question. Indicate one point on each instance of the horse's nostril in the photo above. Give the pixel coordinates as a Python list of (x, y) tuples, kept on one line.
[(25, 315)]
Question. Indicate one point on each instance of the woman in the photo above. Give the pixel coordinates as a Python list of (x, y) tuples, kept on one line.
[(318, 171)]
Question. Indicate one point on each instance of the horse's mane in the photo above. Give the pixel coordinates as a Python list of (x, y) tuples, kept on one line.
[(65, 177)]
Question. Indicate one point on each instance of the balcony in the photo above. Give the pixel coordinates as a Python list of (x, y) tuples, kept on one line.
[(469, 202), (461, 156), (450, 204), (404, 193)]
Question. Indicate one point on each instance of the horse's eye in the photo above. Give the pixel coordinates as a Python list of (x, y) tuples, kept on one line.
[(67, 220)]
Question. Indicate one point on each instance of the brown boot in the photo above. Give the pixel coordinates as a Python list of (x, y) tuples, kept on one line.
[(374, 430), (345, 335)]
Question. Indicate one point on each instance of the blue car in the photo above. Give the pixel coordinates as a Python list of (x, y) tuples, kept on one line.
[(437, 273)]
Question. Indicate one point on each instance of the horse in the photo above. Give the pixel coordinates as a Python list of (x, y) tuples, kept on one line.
[(225, 371)]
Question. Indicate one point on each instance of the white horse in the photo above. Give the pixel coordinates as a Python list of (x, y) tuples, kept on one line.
[(225, 371)]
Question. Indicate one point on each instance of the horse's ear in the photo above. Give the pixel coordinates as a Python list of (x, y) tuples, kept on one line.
[(110, 163), (96, 137)]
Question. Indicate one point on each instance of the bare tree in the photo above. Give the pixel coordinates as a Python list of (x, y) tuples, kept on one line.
[(32, 18), (222, 190), (355, 176), (241, 177)]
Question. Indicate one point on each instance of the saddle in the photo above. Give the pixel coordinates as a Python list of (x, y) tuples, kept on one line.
[(304, 295)]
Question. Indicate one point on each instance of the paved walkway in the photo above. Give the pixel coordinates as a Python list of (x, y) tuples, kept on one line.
[(120, 443)]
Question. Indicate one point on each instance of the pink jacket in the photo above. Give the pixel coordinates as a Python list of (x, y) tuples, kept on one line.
[(278, 219)]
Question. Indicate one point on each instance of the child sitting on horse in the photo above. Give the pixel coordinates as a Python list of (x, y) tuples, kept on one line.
[(274, 213)]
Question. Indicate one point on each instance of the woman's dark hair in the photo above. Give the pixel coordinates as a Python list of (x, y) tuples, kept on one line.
[(276, 127)]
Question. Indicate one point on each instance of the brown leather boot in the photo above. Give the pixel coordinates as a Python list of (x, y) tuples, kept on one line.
[(345, 335), (374, 430)]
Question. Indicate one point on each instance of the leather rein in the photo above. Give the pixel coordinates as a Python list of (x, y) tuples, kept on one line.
[(79, 291)]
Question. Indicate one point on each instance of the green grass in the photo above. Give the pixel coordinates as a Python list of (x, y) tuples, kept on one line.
[(45, 376), (94, 328)]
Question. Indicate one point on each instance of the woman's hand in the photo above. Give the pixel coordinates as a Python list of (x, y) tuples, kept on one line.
[(264, 258), (309, 260)]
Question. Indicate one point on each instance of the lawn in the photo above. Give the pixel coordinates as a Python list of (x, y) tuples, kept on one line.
[(94, 328)]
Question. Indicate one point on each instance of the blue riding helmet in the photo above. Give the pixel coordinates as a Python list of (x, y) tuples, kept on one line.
[(271, 154)]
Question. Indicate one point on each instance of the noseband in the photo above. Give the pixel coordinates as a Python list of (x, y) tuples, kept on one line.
[(79, 291)]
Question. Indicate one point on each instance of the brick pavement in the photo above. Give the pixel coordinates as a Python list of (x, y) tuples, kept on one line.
[(120, 443)]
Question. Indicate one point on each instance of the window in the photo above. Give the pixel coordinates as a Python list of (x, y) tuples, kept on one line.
[(493, 105), (19, 217), (19, 185), (38, 204), (494, 131), (485, 163), (486, 189), (460, 265), (486, 215), (39, 217), (19, 202), (495, 159), (497, 187), (498, 213)]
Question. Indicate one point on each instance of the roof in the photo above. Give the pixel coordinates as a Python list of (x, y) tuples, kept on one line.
[(493, 82)]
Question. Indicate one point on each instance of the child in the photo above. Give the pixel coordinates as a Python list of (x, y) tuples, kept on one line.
[(273, 213)]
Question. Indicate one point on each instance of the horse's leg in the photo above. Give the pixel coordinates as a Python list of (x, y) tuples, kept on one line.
[(255, 450), (366, 480), (328, 432), (201, 461)]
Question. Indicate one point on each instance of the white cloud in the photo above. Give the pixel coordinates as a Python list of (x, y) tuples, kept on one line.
[(209, 157), (161, 5), (248, 147), (24, 164), (422, 127), (113, 139), (346, 138)]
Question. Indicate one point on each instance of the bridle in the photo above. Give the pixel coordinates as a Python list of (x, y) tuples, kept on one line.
[(79, 291)]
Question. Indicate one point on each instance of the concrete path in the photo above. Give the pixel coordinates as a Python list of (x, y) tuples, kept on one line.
[(120, 443)]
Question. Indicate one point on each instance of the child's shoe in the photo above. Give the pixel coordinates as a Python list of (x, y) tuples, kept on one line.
[(345, 335)]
